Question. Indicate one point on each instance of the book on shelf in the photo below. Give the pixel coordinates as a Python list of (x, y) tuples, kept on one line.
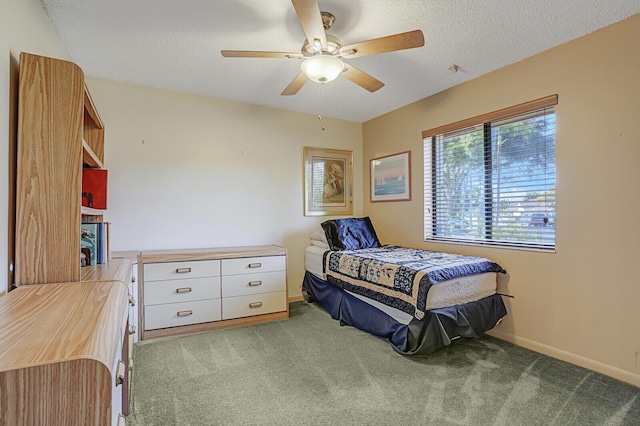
[(107, 250), (94, 243)]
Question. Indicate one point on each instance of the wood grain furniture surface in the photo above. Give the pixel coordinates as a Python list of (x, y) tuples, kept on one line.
[(159, 256), (59, 131), (191, 290), (60, 353), (64, 345)]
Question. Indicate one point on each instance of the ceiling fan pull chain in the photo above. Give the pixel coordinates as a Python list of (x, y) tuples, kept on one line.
[(320, 96)]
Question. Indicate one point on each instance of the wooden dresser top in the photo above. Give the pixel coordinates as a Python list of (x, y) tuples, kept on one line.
[(179, 255), (49, 323), (114, 270)]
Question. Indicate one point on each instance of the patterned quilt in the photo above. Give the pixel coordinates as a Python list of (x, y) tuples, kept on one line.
[(398, 276)]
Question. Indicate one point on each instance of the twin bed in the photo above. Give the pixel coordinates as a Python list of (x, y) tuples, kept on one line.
[(418, 300)]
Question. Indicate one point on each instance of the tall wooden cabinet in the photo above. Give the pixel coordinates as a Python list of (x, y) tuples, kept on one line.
[(59, 130), (64, 344)]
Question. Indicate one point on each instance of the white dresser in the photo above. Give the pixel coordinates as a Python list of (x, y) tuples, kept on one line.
[(186, 291)]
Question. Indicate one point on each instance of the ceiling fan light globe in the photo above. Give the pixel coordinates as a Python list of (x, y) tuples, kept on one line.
[(322, 68)]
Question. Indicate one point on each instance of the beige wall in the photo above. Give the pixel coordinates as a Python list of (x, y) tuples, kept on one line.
[(24, 27), (582, 303), (190, 171)]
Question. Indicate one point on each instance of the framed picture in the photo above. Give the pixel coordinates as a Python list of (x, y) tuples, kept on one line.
[(327, 182), (391, 177)]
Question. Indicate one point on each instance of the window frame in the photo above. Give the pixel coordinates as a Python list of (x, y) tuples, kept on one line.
[(485, 121)]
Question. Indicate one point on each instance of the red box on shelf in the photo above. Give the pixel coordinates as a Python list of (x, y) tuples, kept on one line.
[(94, 188)]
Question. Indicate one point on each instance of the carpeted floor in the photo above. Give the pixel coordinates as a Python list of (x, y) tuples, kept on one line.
[(308, 370)]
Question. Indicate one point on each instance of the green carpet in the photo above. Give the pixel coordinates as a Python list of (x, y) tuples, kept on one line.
[(308, 370)]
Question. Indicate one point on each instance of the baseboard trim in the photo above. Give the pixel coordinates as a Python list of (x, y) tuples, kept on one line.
[(296, 299), (608, 370)]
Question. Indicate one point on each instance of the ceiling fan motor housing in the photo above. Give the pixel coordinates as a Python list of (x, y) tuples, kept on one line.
[(311, 48)]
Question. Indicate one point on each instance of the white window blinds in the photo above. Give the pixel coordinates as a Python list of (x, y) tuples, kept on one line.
[(493, 182)]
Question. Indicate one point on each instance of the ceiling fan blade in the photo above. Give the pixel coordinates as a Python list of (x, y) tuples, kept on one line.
[(259, 54), (390, 43), (308, 13), (361, 78), (295, 85)]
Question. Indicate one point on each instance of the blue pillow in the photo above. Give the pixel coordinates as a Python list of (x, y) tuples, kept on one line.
[(350, 234)]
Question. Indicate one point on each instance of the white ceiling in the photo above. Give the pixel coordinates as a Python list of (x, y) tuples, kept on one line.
[(175, 44)]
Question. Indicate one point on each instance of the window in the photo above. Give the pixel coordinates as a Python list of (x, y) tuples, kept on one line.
[(492, 179)]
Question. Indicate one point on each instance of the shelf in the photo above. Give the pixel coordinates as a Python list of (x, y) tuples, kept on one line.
[(88, 211), (92, 133), (89, 157), (93, 119)]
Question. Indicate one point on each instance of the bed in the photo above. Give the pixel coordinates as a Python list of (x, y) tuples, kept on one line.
[(418, 300)]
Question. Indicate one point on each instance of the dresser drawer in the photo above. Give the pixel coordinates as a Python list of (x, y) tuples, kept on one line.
[(250, 265), (181, 270), (183, 313), (255, 304), (171, 291), (266, 282)]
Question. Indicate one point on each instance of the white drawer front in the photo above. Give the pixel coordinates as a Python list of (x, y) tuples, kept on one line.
[(181, 270), (267, 282), (251, 265), (133, 307), (184, 313), (158, 292), (257, 304)]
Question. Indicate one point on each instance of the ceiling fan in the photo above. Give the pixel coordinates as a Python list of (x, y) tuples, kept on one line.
[(323, 53)]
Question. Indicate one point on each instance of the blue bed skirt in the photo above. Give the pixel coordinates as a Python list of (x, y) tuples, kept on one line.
[(439, 327)]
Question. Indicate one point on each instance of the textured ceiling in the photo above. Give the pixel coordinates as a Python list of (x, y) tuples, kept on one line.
[(175, 44)]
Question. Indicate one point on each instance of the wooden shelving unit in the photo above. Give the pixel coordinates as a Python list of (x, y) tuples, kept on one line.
[(64, 352), (59, 131)]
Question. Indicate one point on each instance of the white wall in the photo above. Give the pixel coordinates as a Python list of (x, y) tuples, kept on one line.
[(24, 27), (188, 171)]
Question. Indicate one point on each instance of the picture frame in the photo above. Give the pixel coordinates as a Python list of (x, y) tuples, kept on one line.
[(328, 179), (391, 177)]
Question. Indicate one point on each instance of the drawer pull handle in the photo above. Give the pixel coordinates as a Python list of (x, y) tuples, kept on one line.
[(255, 265), (183, 270), (183, 290), (133, 279), (132, 301), (120, 373), (185, 313), (255, 305), (132, 329), (254, 283)]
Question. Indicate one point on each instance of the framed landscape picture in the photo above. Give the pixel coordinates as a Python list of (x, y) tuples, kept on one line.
[(391, 177), (327, 182)]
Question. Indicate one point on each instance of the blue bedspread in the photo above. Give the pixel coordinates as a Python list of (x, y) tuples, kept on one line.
[(398, 276)]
